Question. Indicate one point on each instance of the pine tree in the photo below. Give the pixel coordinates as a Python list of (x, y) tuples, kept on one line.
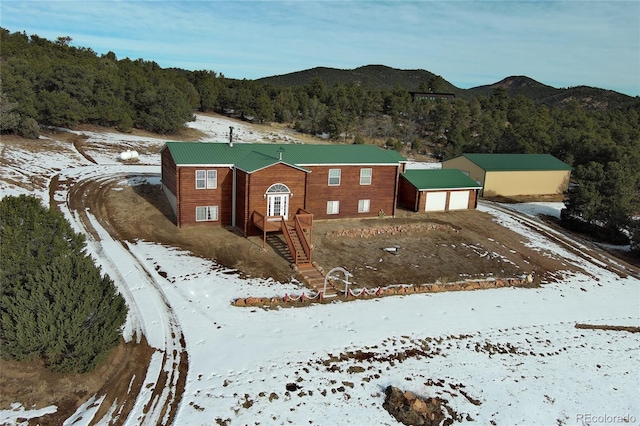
[(54, 303)]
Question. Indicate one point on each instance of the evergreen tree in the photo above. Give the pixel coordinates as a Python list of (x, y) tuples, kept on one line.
[(54, 303)]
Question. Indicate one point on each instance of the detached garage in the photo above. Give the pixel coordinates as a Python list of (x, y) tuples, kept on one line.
[(514, 174), (437, 190)]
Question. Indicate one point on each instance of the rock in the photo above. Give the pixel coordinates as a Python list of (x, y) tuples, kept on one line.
[(411, 410), (252, 301), (409, 396), (420, 406)]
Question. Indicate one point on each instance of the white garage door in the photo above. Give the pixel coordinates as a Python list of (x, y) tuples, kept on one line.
[(459, 200), (436, 201)]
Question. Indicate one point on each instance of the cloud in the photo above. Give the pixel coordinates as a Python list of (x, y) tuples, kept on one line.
[(561, 43)]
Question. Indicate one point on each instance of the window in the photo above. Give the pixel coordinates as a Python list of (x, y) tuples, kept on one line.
[(206, 213), (363, 206), (334, 177), (206, 179), (201, 182), (333, 207), (365, 176), (212, 179)]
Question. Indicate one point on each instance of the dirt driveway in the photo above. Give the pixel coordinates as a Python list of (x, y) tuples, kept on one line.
[(421, 248)]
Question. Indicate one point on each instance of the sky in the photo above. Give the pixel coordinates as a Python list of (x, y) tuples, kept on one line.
[(468, 43)]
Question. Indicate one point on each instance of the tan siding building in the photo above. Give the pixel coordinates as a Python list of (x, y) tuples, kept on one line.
[(514, 174)]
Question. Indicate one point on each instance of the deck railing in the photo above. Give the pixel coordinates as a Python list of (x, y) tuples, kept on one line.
[(305, 218), (306, 246), (302, 223), (266, 223), (292, 248)]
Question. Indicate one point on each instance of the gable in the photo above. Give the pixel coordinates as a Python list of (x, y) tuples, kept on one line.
[(517, 162), (255, 161)]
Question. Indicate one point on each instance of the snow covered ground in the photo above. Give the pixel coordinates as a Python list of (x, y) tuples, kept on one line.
[(502, 356)]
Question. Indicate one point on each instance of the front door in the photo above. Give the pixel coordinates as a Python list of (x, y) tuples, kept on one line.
[(278, 205)]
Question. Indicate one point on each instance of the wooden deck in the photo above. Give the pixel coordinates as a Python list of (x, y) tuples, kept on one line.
[(297, 233)]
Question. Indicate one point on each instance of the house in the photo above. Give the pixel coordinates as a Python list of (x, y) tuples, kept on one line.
[(260, 188), (430, 96), (437, 190), (514, 174)]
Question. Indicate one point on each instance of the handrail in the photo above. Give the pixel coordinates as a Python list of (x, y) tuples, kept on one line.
[(306, 218), (303, 238), (262, 221), (287, 237)]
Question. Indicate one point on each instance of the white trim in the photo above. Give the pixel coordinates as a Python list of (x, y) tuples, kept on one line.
[(335, 207), (295, 166), (202, 179), (370, 176), (212, 211), (339, 177), (269, 190), (215, 179), (278, 201), (364, 203), (350, 164), (209, 165), (448, 189), (298, 165)]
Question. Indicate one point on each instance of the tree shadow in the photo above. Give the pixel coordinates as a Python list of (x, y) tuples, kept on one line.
[(152, 193)]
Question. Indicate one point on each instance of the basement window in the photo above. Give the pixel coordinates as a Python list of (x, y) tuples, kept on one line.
[(333, 207), (364, 206), (206, 213)]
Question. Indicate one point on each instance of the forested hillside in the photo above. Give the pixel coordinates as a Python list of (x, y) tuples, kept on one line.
[(383, 77), (50, 83)]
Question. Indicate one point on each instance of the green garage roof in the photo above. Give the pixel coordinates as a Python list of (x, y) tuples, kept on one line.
[(517, 162), (251, 157), (428, 179)]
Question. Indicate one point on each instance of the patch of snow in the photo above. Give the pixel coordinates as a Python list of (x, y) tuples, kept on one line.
[(18, 415), (514, 350), (412, 165)]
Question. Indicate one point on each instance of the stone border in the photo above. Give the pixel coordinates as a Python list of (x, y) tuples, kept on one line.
[(305, 299)]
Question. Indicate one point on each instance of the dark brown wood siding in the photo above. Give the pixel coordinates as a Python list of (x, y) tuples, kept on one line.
[(242, 216), (168, 172), (381, 193), (189, 197), (260, 181), (408, 195), (473, 199)]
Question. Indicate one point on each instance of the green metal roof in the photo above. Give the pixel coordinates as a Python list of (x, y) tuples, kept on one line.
[(251, 157), (425, 179), (517, 162)]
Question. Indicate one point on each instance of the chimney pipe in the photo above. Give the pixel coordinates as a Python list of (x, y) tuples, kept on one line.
[(230, 136)]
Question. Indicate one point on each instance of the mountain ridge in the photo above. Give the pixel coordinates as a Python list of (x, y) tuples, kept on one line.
[(384, 77)]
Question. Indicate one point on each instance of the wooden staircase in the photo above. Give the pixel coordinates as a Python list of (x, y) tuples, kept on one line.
[(311, 276), (297, 233), (295, 243)]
